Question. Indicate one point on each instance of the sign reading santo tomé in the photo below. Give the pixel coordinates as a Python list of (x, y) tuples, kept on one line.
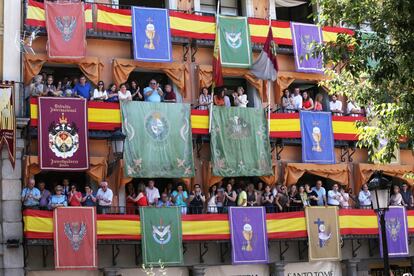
[(63, 134), (323, 268)]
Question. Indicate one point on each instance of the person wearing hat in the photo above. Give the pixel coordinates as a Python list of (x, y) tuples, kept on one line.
[(58, 199)]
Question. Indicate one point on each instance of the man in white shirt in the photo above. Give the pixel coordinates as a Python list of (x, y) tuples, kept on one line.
[(152, 193), (353, 109), (334, 196), (335, 105), (104, 197), (297, 99)]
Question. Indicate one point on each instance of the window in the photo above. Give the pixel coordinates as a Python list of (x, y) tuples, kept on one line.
[(227, 7), (300, 13)]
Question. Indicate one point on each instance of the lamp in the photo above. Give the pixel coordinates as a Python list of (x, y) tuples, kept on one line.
[(117, 142), (380, 196)]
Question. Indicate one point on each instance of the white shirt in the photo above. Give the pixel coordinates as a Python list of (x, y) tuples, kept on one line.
[(350, 107), (227, 102), (203, 99), (152, 194), (333, 197), (98, 95), (335, 105), (105, 198), (297, 101), (124, 97), (241, 101), (364, 198)]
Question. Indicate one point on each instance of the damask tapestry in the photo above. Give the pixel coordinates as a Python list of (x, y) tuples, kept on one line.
[(158, 140), (240, 142)]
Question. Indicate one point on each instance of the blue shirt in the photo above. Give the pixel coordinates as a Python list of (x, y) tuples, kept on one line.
[(321, 194), (83, 90), (179, 201), (154, 98), (31, 197), (89, 201), (58, 199)]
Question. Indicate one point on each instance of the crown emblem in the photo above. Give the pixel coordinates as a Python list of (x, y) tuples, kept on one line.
[(315, 123), (63, 119)]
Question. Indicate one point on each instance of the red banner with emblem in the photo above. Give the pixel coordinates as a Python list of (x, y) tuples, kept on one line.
[(8, 121), (65, 24), (75, 238), (63, 134)]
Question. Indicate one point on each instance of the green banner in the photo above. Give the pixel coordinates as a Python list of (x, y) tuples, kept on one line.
[(240, 142), (159, 140), (161, 235), (234, 42)]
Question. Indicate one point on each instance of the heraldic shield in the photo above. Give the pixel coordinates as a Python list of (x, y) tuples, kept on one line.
[(75, 238), (161, 235), (323, 233)]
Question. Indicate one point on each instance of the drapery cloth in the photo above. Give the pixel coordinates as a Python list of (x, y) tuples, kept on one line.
[(205, 74), (158, 140), (240, 142), (97, 167), (365, 171), (336, 172), (90, 66), (175, 71)]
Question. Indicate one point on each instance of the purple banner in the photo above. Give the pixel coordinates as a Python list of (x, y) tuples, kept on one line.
[(303, 37), (63, 134), (396, 227), (248, 235)]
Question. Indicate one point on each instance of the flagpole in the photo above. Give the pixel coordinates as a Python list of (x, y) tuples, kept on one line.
[(210, 115), (269, 82)]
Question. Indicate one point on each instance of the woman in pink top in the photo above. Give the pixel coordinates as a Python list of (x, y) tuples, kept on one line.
[(318, 102)]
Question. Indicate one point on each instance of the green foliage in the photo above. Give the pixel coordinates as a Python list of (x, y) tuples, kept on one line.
[(374, 68)]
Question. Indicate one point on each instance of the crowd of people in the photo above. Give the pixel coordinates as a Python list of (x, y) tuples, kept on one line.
[(45, 86), (220, 197), (221, 98), (297, 101)]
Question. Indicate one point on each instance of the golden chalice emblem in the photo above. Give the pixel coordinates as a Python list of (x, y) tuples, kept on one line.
[(247, 235), (317, 137), (150, 33)]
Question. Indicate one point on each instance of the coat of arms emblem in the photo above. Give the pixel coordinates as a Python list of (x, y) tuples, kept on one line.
[(161, 233), (234, 39), (63, 138), (393, 226), (75, 232), (237, 128), (66, 25), (157, 126)]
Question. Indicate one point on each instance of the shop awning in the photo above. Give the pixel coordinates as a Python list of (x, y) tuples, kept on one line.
[(365, 171), (336, 172), (97, 169)]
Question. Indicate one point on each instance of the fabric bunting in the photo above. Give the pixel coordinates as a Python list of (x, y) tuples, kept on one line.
[(182, 24), (39, 225), (396, 229), (265, 67)]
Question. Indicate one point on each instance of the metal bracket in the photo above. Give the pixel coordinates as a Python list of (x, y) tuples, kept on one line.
[(25, 254), (353, 150), (302, 250), (194, 50), (186, 50), (344, 153), (279, 149), (282, 252), (137, 254), (115, 253), (202, 252), (184, 248), (372, 245), (355, 248), (45, 252), (224, 251)]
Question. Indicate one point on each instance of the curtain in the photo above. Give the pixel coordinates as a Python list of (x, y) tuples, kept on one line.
[(90, 66), (365, 171), (336, 172), (271, 179), (123, 179), (205, 75), (97, 169), (208, 178), (121, 69), (288, 3)]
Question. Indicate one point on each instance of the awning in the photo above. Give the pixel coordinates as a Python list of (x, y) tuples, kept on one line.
[(97, 169), (336, 172), (121, 68), (365, 171), (90, 66)]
